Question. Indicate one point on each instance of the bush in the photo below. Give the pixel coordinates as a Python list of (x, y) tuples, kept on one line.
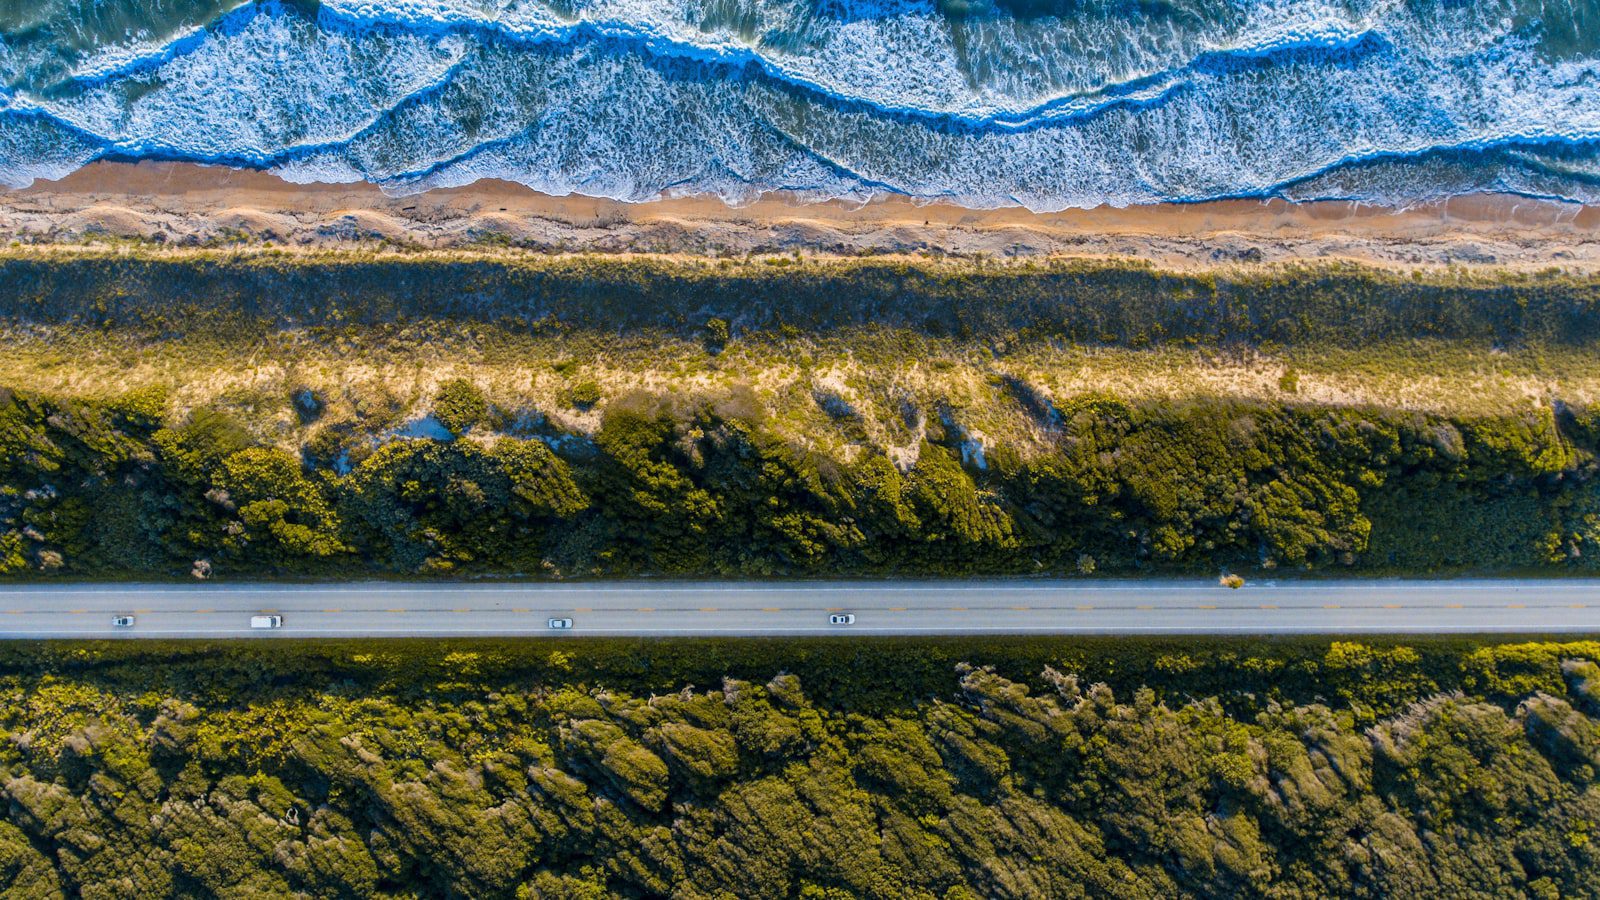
[(459, 406), (584, 395), (701, 487), (813, 768), (717, 335)]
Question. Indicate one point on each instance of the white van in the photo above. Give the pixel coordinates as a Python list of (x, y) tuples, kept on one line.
[(266, 621)]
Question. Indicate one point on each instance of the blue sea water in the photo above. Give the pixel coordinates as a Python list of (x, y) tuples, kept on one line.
[(1047, 104)]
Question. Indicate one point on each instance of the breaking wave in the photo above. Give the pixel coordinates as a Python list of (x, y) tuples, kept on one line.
[(1044, 103)]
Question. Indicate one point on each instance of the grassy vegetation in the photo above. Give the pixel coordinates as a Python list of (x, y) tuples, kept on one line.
[(376, 378), (953, 768), (379, 334), (253, 414), (698, 483), (212, 415), (1090, 303), (842, 675)]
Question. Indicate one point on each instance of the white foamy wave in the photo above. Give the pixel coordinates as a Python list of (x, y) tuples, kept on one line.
[(275, 84), (634, 99), (34, 148)]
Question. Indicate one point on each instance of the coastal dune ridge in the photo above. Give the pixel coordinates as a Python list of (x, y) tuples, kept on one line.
[(178, 205)]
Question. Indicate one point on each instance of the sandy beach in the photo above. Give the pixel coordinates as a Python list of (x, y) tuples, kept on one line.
[(179, 205)]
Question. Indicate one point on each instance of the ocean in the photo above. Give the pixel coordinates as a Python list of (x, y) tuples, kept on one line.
[(1046, 104)]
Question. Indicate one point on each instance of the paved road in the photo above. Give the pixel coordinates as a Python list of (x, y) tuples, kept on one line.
[(678, 608)]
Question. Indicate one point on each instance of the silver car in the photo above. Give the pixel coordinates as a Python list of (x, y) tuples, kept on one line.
[(842, 619), (122, 621), (561, 623)]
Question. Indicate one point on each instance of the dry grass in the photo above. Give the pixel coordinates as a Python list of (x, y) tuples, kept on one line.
[(875, 387)]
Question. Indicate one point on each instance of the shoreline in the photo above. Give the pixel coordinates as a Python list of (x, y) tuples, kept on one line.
[(189, 205)]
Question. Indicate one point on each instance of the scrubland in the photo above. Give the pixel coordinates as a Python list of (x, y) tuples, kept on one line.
[(265, 413), (1014, 768), (219, 415)]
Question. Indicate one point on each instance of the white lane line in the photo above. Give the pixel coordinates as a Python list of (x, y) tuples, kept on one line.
[(931, 605), (1552, 584), (834, 632)]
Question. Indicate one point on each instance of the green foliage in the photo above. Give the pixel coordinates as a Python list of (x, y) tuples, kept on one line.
[(952, 512), (1087, 302), (585, 394), (279, 505), (1291, 768), (717, 334), (688, 485), (459, 405)]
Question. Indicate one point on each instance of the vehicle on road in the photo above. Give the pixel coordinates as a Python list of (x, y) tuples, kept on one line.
[(122, 621), (266, 621), (842, 619), (561, 623)]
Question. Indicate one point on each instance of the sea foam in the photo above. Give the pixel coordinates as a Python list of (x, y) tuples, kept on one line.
[(633, 99)]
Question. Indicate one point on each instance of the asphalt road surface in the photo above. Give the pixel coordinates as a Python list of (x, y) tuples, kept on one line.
[(794, 608)]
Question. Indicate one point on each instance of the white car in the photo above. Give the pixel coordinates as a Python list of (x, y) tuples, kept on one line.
[(266, 621), (122, 621), (561, 623), (842, 619)]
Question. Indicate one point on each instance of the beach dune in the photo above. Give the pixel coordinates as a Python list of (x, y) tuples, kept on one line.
[(181, 204)]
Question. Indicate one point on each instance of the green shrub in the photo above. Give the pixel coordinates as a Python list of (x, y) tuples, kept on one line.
[(813, 768), (700, 486), (584, 395), (717, 335), (459, 406)]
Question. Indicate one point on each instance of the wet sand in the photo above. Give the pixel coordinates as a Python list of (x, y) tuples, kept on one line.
[(180, 204)]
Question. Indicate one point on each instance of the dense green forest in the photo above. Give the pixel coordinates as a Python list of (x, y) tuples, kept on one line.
[(1018, 768), (697, 485)]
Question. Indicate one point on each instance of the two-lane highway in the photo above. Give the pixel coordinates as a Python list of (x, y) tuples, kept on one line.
[(796, 608)]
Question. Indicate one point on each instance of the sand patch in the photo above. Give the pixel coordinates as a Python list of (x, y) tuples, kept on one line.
[(187, 204)]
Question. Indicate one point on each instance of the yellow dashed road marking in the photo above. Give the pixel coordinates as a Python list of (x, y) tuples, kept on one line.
[(1391, 606), (1330, 606), (397, 610), (461, 609), (647, 609), (1085, 608), (903, 609), (770, 609), (1269, 606), (1515, 606), (77, 612), (1208, 606), (708, 609)]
